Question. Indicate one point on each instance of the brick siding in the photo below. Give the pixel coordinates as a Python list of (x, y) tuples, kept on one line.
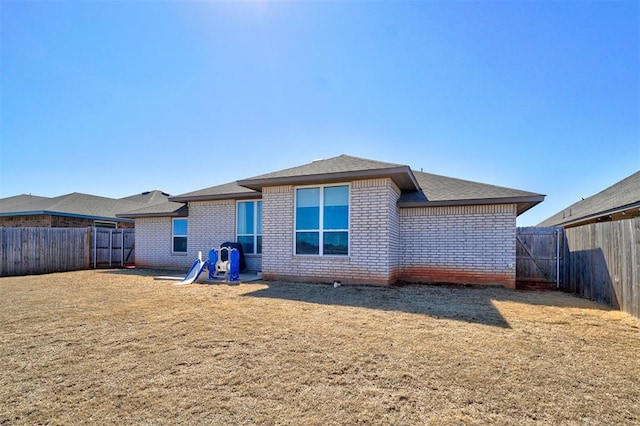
[(459, 244), (210, 223), (373, 235), (40, 220), (154, 245)]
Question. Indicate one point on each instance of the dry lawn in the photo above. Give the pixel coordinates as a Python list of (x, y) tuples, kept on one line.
[(105, 347)]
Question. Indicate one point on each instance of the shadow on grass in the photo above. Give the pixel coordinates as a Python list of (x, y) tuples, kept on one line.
[(461, 303), (469, 303), (144, 272)]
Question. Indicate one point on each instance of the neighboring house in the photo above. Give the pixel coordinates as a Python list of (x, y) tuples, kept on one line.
[(73, 210), (617, 202), (348, 219)]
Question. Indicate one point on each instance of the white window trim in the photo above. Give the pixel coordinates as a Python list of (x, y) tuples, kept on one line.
[(179, 235), (321, 231), (255, 235)]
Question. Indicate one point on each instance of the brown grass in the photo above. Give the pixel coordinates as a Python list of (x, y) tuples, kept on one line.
[(118, 347)]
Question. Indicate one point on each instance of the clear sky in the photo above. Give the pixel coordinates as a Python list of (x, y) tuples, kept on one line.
[(113, 98)]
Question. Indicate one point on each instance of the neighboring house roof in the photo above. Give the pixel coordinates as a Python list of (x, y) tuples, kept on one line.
[(439, 190), (418, 188), (19, 200), (336, 169), (75, 205), (621, 200)]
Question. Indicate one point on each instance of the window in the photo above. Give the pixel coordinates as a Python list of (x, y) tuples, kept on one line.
[(249, 226), (102, 224), (179, 234), (322, 221)]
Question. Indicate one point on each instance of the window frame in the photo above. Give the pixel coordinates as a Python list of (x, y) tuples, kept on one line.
[(104, 224), (255, 233), (321, 229), (174, 236)]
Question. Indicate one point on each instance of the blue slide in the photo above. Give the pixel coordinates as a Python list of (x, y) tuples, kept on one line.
[(195, 271)]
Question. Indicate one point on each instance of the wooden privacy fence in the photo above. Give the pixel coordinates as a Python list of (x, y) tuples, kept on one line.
[(597, 261), (26, 251), (112, 247), (539, 256), (601, 263)]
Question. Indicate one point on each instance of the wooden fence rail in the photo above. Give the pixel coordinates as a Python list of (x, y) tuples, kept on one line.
[(26, 251), (112, 247), (539, 256), (601, 263)]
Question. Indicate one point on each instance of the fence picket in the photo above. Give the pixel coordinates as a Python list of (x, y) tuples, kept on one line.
[(602, 263), (25, 251), (537, 253)]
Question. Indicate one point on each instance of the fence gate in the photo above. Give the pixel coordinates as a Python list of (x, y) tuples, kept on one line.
[(539, 257), (112, 247)]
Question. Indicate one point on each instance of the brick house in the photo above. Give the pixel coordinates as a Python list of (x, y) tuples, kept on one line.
[(344, 218), (73, 210)]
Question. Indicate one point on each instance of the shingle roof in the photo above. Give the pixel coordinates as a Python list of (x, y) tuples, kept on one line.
[(224, 191), (74, 204), (618, 197), (418, 188), (19, 200), (166, 209), (443, 190), (340, 164), (335, 169), (149, 197)]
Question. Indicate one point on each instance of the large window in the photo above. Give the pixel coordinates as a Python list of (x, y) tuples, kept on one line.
[(322, 221), (179, 234), (249, 226)]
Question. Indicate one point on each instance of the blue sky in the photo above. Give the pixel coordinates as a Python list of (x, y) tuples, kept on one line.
[(117, 97)]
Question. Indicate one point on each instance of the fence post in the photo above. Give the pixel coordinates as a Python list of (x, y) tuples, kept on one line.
[(558, 231), (110, 247), (95, 246), (87, 245), (122, 248)]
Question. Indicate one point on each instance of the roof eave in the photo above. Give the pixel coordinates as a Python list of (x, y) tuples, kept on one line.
[(230, 196), (577, 221), (141, 215), (402, 176), (523, 203), (527, 205), (181, 212), (63, 214)]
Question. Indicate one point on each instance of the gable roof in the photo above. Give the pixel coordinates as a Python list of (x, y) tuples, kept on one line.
[(620, 197), (336, 169), (436, 190), (76, 204)]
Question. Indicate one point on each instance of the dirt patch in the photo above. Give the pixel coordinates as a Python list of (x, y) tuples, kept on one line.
[(118, 347)]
